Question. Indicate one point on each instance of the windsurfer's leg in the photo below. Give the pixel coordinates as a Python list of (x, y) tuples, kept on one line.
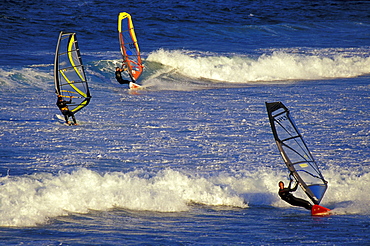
[(124, 81), (74, 119), (301, 203), (72, 115), (65, 116)]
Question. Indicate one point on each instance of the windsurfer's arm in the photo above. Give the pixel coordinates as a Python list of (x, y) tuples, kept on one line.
[(290, 184), (123, 67), (295, 187)]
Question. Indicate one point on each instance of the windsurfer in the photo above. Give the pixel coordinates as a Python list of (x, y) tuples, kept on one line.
[(285, 194), (119, 76), (62, 105)]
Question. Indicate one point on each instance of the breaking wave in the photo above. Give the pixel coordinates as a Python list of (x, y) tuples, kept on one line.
[(272, 66)]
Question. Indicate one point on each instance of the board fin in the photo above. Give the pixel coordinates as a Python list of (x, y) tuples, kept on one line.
[(318, 210)]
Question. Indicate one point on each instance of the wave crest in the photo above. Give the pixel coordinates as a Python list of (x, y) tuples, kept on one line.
[(277, 66)]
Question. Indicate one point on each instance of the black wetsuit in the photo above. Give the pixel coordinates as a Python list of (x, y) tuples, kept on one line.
[(120, 79), (62, 105), (289, 198)]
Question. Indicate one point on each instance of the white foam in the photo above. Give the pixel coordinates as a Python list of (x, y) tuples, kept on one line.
[(26, 76), (277, 66), (348, 191), (31, 200)]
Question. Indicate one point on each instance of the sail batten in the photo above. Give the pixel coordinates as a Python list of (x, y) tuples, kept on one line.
[(295, 153), (69, 72)]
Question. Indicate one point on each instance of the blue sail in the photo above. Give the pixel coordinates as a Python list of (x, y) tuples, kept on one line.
[(295, 153)]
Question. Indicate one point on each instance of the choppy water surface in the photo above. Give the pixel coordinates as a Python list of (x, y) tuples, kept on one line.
[(190, 160)]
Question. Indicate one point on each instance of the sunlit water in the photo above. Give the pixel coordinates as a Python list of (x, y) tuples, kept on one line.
[(190, 160)]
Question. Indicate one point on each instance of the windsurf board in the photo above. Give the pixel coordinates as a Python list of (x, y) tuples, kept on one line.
[(318, 210), (61, 120), (134, 86)]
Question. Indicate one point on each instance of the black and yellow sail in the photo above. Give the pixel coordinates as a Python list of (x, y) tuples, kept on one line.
[(69, 73)]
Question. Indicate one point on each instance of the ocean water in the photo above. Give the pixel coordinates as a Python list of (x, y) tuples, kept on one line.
[(191, 160)]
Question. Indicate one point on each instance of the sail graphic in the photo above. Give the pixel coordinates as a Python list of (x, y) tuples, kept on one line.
[(129, 46), (295, 153), (69, 74)]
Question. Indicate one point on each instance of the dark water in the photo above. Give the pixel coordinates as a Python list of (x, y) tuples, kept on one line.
[(191, 160)]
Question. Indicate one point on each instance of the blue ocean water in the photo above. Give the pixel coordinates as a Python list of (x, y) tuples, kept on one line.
[(191, 160)]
